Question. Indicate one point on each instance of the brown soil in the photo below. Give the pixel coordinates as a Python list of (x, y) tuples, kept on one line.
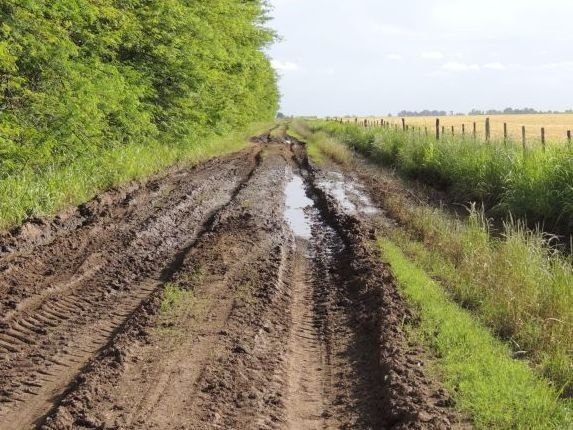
[(272, 330)]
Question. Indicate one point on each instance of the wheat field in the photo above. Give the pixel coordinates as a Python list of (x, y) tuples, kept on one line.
[(556, 125)]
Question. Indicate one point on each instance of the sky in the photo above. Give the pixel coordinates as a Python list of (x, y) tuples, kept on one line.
[(374, 57)]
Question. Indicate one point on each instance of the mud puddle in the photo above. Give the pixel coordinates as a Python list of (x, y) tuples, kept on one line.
[(297, 207), (350, 195)]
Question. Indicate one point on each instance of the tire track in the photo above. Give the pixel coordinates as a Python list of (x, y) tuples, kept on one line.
[(48, 338)]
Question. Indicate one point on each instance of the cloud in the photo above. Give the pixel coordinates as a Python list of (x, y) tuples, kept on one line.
[(394, 57), (432, 55), (494, 66), (564, 65), (454, 66), (394, 30), (285, 66)]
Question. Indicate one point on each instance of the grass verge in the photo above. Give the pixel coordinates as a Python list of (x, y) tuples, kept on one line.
[(48, 191), (497, 391)]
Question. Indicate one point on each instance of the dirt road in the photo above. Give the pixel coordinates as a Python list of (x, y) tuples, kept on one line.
[(282, 315)]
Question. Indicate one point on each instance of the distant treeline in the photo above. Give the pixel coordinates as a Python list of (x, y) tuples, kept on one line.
[(506, 111), (80, 76)]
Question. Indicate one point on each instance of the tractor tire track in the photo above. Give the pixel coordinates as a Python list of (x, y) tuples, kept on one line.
[(51, 334)]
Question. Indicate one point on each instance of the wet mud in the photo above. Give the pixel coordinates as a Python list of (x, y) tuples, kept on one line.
[(283, 316)]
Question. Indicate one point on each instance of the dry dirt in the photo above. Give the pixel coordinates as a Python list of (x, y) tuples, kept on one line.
[(284, 316)]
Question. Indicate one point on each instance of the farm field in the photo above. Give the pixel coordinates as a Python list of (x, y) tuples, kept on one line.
[(556, 125)]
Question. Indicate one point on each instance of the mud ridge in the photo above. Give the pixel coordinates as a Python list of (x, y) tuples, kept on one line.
[(49, 336)]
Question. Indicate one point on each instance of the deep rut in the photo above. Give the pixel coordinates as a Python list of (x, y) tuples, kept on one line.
[(308, 367), (282, 318), (48, 336)]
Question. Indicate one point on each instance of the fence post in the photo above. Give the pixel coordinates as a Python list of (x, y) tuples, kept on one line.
[(569, 138), (453, 130), (523, 139), (403, 124), (463, 129), (426, 130), (437, 128), (475, 130), (443, 130), (487, 130), (505, 132), (543, 138)]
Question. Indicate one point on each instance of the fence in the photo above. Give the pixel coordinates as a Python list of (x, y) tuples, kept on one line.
[(440, 130)]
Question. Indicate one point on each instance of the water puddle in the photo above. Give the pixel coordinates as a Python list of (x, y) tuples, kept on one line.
[(297, 205), (350, 196)]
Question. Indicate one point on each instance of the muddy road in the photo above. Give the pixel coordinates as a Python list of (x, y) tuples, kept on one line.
[(246, 293)]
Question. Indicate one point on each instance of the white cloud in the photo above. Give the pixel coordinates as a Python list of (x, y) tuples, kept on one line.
[(285, 66), (494, 66), (565, 65), (432, 55), (394, 57), (454, 66), (394, 30)]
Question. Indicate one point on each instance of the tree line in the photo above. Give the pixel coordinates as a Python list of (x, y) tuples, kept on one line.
[(79, 76), (506, 111)]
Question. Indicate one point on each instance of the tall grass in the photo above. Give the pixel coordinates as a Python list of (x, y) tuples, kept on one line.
[(494, 390), (44, 192), (515, 284), (536, 186)]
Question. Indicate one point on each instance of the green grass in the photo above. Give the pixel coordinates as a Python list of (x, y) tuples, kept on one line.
[(496, 391), (515, 283), (58, 186), (535, 186), (174, 297), (321, 147)]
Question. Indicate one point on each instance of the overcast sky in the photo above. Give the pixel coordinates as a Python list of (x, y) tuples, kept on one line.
[(375, 57)]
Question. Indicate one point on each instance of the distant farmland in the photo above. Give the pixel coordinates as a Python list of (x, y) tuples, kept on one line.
[(556, 125)]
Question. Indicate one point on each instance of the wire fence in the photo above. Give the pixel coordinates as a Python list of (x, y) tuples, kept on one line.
[(471, 130)]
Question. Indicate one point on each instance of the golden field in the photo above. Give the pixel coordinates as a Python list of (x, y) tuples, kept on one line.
[(556, 125)]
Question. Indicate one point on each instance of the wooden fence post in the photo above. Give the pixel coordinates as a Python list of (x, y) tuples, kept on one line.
[(403, 124), (487, 130), (443, 130), (437, 128), (523, 139), (475, 130), (426, 130), (453, 130), (543, 138), (505, 132), (463, 129), (569, 138)]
